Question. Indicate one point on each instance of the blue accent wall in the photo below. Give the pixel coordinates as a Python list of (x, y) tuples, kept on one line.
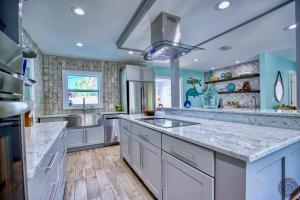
[(270, 64), (297, 7), (184, 75)]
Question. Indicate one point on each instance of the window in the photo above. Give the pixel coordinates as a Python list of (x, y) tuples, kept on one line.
[(78, 85), (163, 91)]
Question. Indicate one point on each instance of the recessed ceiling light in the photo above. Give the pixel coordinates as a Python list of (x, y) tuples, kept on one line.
[(130, 52), (237, 62), (79, 44), (196, 60), (290, 27), (78, 11), (183, 53), (223, 5), (212, 68)]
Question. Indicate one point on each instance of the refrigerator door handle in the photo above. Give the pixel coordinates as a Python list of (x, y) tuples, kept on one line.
[(143, 98)]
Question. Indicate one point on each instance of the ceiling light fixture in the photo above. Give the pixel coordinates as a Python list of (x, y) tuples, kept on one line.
[(78, 11), (130, 52), (183, 53), (223, 5), (79, 44), (212, 68), (290, 27), (196, 60), (237, 62)]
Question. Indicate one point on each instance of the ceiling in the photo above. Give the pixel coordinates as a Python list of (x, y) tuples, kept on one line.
[(56, 29)]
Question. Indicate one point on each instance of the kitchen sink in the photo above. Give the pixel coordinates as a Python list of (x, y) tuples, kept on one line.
[(83, 120)]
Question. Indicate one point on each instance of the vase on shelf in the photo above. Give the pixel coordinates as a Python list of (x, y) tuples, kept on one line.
[(210, 98)]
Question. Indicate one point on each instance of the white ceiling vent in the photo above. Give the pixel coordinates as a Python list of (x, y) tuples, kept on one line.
[(225, 48)]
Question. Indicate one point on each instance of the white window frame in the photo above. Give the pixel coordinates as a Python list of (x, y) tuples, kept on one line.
[(66, 73)]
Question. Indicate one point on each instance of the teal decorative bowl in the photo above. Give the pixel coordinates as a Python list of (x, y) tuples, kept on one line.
[(231, 87)]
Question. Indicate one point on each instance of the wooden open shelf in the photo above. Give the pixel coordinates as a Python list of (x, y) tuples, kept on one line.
[(234, 78), (228, 92)]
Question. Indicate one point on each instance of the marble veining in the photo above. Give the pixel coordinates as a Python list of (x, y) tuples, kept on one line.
[(38, 140), (242, 141)]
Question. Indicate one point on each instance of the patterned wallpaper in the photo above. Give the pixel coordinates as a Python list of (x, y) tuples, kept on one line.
[(53, 66), (38, 74), (244, 99)]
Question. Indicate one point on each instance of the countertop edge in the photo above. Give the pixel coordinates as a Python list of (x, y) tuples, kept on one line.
[(32, 172)]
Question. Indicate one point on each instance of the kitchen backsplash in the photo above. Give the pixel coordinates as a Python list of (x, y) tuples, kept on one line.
[(244, 99), (38, 97), (53, 93)]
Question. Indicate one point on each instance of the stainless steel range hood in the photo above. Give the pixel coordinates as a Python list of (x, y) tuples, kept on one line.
[(166, 38)]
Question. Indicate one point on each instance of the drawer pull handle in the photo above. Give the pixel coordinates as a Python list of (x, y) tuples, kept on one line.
[(144, 137), (53, 192), (183, 156), (52, 161)]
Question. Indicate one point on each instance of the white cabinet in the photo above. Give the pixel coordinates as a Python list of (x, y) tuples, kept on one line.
[(148, 74), (94, 135), (133, 73), (75, 137), (137, 153), (81, 137), (181, 181), (151, 164), (125, 140)]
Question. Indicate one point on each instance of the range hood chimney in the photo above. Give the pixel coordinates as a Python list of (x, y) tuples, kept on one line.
[(166, 46), (166, 38)]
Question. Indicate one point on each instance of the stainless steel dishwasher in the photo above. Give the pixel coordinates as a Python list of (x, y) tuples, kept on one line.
[(111, 129)]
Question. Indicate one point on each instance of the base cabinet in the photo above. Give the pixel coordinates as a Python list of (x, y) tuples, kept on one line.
[(181, 181), (151, 162), (125, 140), (81, 137), (49, 179)]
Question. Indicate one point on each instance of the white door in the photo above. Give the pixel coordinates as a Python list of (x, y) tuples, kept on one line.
[(75, 137), (136, 156), (181, 181), (125, 141), (151, 163), (94, 135)]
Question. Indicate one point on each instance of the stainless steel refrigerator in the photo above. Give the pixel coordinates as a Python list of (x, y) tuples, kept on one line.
[(140, 96)]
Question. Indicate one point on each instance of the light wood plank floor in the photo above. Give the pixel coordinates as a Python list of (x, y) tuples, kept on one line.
[(100, 174)]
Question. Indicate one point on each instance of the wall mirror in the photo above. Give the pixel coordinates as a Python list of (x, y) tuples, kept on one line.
[(279, 88)]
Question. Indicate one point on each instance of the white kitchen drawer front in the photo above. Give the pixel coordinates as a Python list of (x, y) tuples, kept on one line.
[(181, 181), (196, 156), (125, 125), (147, 134), (46, 174)]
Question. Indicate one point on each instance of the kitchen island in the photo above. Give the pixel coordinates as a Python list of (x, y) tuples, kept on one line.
[(213, 159), (45, 148)]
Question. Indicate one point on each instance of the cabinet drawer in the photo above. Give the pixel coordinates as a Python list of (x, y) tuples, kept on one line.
[(125, 125), (147, 134), (198, 157), (181, 181), (46, 175)]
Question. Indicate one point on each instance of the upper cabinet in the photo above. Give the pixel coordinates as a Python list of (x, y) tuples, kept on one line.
[(137, 73)]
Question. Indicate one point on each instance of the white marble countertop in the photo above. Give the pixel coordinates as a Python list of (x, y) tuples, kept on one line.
[(38, 140), (241, 141)]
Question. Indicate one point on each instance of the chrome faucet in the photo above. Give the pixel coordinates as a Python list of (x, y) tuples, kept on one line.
[(255, 102)]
